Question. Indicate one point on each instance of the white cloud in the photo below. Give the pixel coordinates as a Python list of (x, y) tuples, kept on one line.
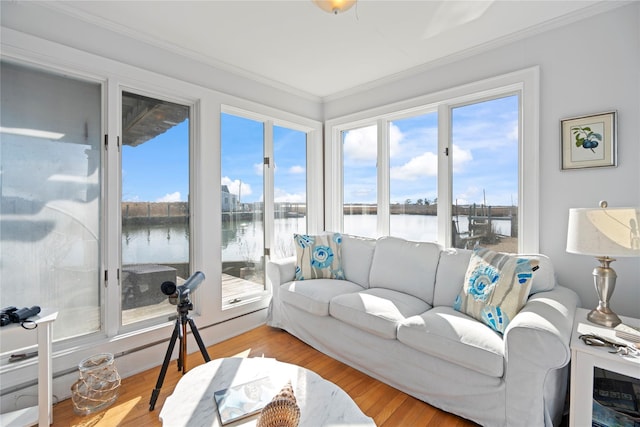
[(395, 138), (170, 197), (461, 157), (258, 168), (514, 133), (296, 169), (425, 164), (360, 145), (236, 187), (281, 196), (469, 195)]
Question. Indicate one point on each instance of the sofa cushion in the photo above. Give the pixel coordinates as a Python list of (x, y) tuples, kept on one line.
[(405, 266), (450, 276), (318, 257), (496, 286), (544, 277), (453, 336), (357, 254), (313, 296), (377, 311)]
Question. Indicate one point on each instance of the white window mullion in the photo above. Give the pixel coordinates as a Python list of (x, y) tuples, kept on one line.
[(384, 152), (529, 158), (268, 170), (445, 165), (315, 205), (333, 179), (112, 211)]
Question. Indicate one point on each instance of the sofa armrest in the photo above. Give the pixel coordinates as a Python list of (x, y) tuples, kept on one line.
[(537, 353), (280, 271), (541, 331)]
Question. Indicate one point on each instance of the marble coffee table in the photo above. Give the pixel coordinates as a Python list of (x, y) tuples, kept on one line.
[(321, 402)]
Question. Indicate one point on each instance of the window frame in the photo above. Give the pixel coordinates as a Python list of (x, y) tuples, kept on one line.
[(271, 118), (113, 207), (524, 83)]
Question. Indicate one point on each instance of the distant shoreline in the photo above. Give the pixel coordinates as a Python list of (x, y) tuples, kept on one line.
[(171, 212)]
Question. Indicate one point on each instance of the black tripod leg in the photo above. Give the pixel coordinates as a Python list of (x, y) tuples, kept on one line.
[(196, 335), (182, 367), (165, 365)]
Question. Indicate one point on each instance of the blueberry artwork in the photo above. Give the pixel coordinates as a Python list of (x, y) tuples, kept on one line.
[(586, 138)]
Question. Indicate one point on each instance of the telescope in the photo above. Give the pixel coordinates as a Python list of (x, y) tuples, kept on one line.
[(180, 294)]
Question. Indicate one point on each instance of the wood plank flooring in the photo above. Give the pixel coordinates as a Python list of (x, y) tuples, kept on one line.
[(386, 405)]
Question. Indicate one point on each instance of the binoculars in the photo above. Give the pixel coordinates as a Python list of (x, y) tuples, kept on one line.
[(15, 315)]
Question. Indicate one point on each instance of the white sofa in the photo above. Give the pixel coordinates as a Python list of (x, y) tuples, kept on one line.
[(392, 318)]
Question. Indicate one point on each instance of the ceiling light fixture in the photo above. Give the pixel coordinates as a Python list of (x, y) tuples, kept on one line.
[(334, 6)]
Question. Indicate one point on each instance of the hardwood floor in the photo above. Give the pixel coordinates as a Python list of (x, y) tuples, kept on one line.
[(386, 405)]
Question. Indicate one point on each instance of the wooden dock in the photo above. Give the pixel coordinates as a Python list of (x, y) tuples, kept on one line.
[(233, 288)]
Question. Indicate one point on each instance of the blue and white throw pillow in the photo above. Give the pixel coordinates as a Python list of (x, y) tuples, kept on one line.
[(318, 257), (496, 287)]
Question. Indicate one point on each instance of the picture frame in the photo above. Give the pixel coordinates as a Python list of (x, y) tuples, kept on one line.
[(589, 141)]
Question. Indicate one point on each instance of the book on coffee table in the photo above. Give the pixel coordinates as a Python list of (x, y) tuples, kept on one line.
[(244, 400)]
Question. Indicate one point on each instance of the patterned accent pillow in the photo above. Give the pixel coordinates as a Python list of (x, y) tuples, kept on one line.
[(318, 257), (496, 287)]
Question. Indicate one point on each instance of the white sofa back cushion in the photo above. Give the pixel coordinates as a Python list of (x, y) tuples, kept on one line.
[(544, 277), (405, 266), (357, 255), (450, 277)]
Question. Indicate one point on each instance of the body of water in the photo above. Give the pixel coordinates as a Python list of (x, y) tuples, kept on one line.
[(244, 240)]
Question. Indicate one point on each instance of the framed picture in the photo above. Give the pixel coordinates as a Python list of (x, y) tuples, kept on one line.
[(589, 141)]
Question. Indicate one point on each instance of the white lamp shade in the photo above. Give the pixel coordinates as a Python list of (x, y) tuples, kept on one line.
[(612, 232)]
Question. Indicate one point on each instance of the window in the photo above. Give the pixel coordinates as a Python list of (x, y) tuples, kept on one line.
[(50, 162), (264, 176), (451, 167), (485, 174), (243, 228), (359, 171), (290, 189), (413, 173), (155, 204)]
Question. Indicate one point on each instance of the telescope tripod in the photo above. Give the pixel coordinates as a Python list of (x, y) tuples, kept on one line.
[(179, 332)]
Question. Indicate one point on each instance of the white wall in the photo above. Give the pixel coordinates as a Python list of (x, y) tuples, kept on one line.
[(586, 67)]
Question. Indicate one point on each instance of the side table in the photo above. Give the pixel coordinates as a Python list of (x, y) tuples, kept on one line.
[(586, 359), (41, 414)]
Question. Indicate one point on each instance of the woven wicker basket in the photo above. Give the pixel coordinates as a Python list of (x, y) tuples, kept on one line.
[(282, 411), (98, 385)]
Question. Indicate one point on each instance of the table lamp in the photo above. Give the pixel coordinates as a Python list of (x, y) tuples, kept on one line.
[(604, 233)]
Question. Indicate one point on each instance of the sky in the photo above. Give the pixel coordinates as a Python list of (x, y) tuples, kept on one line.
[(484, 155)]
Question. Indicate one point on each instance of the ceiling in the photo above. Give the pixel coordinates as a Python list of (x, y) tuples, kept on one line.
[(296, 45)]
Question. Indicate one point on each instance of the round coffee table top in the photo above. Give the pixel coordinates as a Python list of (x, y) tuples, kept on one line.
[(321, 402)]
